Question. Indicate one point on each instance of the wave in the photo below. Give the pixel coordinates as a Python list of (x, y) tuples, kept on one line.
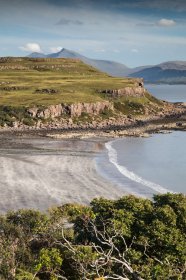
[(113, 158)]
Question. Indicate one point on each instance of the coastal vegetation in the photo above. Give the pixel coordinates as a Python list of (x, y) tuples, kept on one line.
[(129, 238), (43, 82)]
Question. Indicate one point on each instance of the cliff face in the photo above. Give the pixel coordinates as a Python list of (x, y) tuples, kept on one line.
[(138, 91), (73, 110), (77, 109)]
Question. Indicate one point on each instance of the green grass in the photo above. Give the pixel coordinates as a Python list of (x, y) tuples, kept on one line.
[(74, 81), (22, 81), (136, 105)]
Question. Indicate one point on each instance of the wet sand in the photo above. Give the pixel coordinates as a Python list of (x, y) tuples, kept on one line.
[(38, 172)]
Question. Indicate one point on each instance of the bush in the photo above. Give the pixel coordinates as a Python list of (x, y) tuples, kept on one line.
[(9, 114)]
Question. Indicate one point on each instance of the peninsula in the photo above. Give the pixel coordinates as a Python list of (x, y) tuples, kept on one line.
[(66, 94)]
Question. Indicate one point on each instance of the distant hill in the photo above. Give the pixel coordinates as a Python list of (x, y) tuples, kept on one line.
[(173, 72), (37, 55), (110, 67)]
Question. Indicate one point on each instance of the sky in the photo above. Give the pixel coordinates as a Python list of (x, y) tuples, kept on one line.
[(132, 32)]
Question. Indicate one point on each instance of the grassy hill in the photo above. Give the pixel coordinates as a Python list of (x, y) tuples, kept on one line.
[(22, 78), (29, 82)]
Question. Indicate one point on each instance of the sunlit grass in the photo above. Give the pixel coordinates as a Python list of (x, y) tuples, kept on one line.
[(73, 80)]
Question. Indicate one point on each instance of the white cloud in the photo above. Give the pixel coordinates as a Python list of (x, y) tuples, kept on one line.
[(166, 22), (135, 50), (162, 23), (31, 47), (55, 49)]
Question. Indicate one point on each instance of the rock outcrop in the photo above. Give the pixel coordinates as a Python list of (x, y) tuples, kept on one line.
[(47, 90), (72, 110), (13, 88), (138, 91)]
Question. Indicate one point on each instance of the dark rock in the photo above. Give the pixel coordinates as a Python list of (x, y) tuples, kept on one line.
[(47, 91)]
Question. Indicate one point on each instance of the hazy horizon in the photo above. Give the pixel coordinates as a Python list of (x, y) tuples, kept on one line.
[(106, 59)]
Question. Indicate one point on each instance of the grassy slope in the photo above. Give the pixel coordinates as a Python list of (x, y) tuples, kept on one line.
[(75, 82)]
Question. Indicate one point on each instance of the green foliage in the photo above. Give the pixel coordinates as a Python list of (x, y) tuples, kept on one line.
[(30, 221), (10, 114), (148, 235), (49, 263), (129, 107), (28, 121), (25, 275), (153, 99)]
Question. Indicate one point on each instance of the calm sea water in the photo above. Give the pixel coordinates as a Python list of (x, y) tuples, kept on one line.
[(172, 93), (145, 166)]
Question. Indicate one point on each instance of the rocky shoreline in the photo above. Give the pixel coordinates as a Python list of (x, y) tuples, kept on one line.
[(173, 118), (143, 130), (49, 161)]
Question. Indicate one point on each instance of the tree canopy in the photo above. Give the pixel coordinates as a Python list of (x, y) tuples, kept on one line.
[(129, 238)]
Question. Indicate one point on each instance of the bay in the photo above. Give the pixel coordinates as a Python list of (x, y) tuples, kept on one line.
[(145, 166)]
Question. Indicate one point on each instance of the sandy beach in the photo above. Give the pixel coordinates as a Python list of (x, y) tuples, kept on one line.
[(41, 172), (40, 169)]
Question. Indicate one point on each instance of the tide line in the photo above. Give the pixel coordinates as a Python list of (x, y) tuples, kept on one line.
[(112, 153)]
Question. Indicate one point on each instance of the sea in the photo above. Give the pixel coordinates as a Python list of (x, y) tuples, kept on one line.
[(148, 166)]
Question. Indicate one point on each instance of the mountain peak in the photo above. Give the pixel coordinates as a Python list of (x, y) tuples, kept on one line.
[(62, 50), (37, 55), (110, 67)]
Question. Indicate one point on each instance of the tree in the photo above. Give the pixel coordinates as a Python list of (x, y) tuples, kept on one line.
[(129, 238)]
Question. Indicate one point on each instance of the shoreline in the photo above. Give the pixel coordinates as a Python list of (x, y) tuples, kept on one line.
[(45, 168), (139, 127), (48, 172), (140, 131)]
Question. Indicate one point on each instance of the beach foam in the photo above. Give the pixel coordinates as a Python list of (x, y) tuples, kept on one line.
[(113, 158)]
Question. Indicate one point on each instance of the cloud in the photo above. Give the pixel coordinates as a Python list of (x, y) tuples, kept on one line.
[(135, 50), (55, 49), (161, 23), (65, 21), (31, 47), (166, 22)]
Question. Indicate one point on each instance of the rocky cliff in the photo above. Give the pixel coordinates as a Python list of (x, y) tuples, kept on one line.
[(72, 110), (138, 91), (77, 109)]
